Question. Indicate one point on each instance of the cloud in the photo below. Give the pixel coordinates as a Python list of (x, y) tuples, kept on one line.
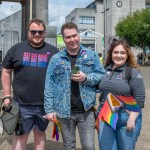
[(58, 10), (8, 8)]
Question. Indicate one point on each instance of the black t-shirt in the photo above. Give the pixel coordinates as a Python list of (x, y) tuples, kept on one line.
[(76, 102), (29, 65)]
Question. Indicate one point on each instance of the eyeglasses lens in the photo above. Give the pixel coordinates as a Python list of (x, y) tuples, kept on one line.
[(33, 32)]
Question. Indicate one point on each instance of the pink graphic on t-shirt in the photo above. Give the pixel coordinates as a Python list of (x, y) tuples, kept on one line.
[(35, 60)]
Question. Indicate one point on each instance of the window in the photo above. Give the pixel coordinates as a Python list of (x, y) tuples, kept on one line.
[(86, 20), (147, 5), (88, 33)]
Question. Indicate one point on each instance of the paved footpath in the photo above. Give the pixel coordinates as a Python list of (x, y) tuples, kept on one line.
[(142, 144)]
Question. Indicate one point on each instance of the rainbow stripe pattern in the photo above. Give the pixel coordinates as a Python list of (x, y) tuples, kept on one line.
[(129, 103), (110, 116), (56, 130)]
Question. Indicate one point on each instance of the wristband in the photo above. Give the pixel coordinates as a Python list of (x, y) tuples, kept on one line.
[(85, 80)]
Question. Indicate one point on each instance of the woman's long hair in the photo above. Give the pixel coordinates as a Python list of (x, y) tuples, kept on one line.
[(130, 56)]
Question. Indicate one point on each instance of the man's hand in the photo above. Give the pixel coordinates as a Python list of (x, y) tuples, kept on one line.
[(6, 102), (51, 117), (79, 77)]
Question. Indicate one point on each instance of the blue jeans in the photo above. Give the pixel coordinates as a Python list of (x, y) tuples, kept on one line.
[(119, 139), (85, 122)]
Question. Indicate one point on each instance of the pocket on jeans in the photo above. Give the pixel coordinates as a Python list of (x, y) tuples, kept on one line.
[(122, 117)]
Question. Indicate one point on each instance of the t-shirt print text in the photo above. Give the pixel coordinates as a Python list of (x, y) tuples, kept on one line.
[(35, 60)]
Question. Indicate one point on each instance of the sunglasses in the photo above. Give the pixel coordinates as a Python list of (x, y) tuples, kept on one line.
[(40, 32)]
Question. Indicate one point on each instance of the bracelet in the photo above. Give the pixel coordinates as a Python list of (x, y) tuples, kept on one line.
[(85, 80), (7, 97)]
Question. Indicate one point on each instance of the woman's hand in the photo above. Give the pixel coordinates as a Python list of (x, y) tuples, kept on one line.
[(131, 120)]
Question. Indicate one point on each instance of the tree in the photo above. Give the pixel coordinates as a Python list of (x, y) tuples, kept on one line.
[(135, 28)]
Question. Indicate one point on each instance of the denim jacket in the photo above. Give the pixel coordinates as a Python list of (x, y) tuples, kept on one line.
[(58, 81)]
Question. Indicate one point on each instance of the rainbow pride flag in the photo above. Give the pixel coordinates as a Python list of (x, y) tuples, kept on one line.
[(109, 111), (56, 130), (130, 103), (108, 116)]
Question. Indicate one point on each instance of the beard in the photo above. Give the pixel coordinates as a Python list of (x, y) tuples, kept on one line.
[(36, 43)]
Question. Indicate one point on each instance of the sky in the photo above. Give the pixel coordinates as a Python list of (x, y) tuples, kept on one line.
[(58, 8)]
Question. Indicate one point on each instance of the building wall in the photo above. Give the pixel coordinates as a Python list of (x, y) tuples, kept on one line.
[(10, 31), (116, 13), (15, 26), (76, 13), (12, 23), (111, 16), (40, 10), (97, 27)]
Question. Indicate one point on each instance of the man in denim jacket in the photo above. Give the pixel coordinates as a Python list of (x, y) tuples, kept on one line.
[(70, 89)]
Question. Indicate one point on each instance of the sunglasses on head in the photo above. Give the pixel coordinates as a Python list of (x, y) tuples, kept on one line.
[(40, 32)]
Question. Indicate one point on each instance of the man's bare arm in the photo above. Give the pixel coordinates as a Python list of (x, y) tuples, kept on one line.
[(6, 79)]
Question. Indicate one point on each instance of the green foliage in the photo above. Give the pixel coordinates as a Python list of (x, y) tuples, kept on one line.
[(135, 28)]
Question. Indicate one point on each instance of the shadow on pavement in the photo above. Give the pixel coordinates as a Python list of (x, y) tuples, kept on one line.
[(50, 145)]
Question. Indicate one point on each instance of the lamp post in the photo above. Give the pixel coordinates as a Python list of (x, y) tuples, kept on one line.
[(31, 9), (2, 35), (11, 25), (104, 12)]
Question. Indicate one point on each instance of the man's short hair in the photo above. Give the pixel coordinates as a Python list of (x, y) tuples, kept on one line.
[(38, 22), (69, 25)]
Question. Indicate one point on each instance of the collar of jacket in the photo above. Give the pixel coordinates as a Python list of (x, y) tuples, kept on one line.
[(82, 50), (119, 69)]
